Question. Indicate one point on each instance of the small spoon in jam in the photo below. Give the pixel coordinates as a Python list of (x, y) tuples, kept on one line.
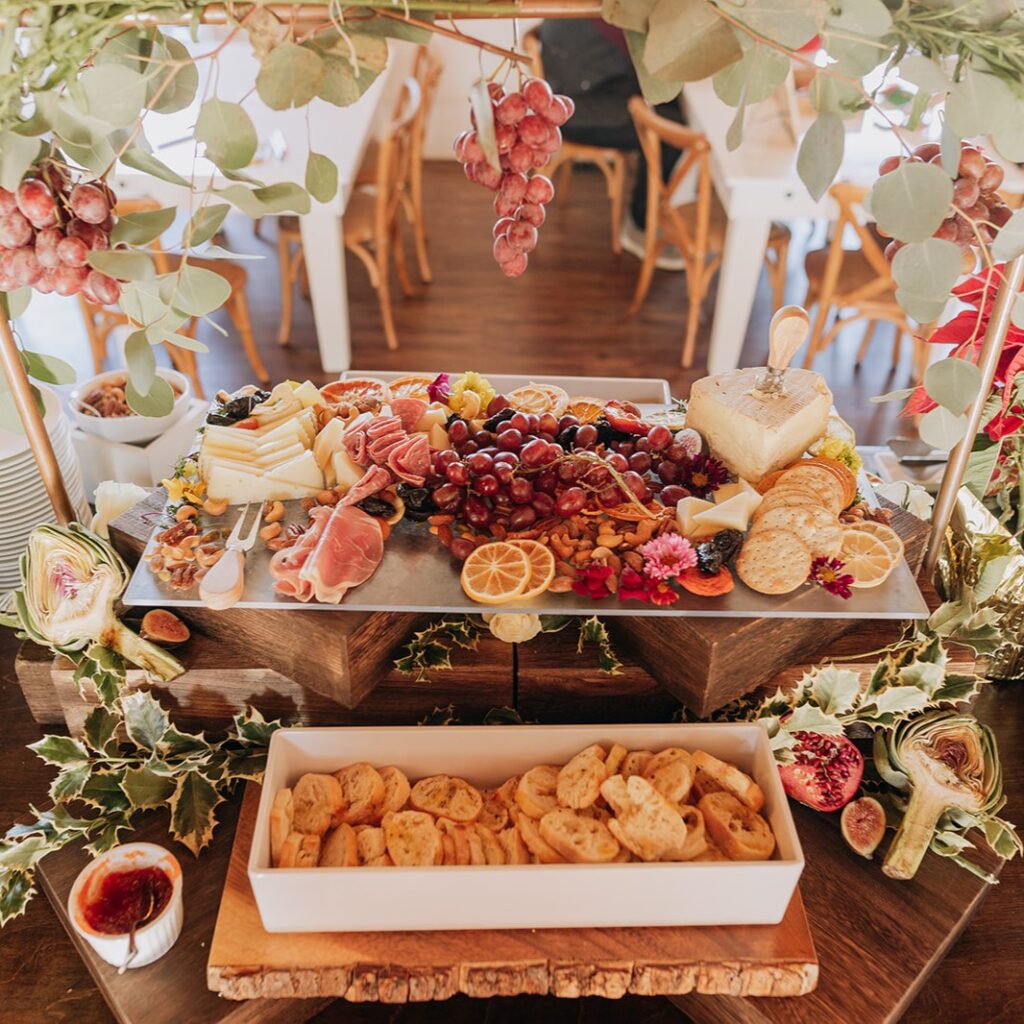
[(147, 905)]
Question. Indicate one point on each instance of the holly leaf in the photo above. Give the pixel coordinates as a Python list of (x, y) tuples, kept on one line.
[(100, 728), (926, 676), (253, 728), (246, 764), (957, 688), (810, 718), (192, 806), (835, 690), (69, 782), (109, 835), (145, 789), (24, 854), (593, 630), (62, 751), (144, 719), (16, 889), (174, 743), (103, 791)]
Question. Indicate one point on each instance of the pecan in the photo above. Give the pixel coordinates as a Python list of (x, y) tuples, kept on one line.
[(184, 576), (177, 533)]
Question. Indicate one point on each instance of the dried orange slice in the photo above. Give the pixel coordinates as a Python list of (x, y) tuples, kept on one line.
[(540, 398), (886, 534), (542, 567), (703, 585), (629, 512), (355, 388), (584, 408), (413, 386), (496, 572), (866, 558)]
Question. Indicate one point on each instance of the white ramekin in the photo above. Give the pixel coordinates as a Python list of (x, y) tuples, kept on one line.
[(153, 939)]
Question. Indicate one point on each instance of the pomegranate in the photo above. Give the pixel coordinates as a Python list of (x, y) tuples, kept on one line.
[(826, 773), (863, 824)]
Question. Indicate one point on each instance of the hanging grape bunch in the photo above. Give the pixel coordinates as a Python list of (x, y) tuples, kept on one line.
[(48, 227), (527, 130), (980, 210)]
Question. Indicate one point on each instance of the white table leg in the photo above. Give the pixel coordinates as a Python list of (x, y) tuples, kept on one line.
[(745, 242), (325, 265)]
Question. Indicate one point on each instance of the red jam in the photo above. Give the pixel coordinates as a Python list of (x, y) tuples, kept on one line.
[(124, 898)]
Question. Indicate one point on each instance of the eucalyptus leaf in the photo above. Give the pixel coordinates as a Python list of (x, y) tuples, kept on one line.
[(142, 226), (927, 268), (792, 23), (181, 90), (979, 103), (49, 369), (1017, 312), (265, 30), (893, 396), (140, 361), (217, 252), (1008, 137), (925, 309), (926, 74), (754, 77), (228, 133), (321, 177), (344, 83), (734, 135), (953, 383), (688, 41), (18, 301), (95, 157), (826, 92), (654, 90), (16, 156), (1009, 242), (158, 401), (393, 29), (284, 197), (949, 141), (140, 160), (911, 201), (200, 291), (180, 340), (114, 94), (290, 76), (942, 429), (632, 15), (480, 101), (205, 223), (123, 264), (981, 464), (821, 153)]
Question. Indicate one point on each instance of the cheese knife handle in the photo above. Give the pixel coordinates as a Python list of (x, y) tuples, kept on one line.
[(788, 331), (222, 586)]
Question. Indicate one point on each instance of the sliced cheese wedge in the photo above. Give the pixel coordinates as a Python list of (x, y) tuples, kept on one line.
[(308, 394), (732, 514), (328, 441), (434, 415), (301, 471), (687, 510), (437, 436), (239, 487), (741, 487), (347, 473)]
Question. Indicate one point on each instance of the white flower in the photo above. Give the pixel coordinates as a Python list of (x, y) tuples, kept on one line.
[(914, 498), (513, 628)]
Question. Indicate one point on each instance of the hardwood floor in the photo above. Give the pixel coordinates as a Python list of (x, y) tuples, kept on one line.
[(566, 314)]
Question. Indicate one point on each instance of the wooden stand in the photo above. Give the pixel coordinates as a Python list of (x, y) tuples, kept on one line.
[(398, 967)]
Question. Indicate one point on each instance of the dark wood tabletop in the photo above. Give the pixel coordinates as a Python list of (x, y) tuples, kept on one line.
[(42, 977)]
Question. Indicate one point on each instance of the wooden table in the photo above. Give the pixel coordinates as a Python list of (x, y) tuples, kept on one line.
[(877, 940)]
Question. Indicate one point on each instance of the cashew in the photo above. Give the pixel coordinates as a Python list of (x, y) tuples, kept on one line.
[(271, 531), (215, 506), (273, 511), (207, 555), (327, 498), (185, 512)]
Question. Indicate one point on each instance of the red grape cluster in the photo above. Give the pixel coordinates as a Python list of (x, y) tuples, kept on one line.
[(48, 227), (527, 128), (975, 197), (521, 468)]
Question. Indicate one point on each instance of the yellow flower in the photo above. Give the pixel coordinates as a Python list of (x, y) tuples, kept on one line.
[(831, 447), (175, 488), (478, 385)]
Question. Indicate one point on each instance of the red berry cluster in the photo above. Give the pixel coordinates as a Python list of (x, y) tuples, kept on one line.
[(527, 128), (974, 197), (48, 227)]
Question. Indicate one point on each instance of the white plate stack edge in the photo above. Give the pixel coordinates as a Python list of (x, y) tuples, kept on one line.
[(24, 503)]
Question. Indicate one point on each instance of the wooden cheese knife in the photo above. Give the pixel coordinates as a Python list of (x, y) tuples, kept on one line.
[(787, 332), (222, 586)]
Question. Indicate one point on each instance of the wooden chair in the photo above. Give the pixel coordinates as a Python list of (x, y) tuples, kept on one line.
[(370, 227), (610, 162), (100, 321), (697, 228), (857, 284)]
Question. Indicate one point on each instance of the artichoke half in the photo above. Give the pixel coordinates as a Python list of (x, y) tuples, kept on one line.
[(950, 764), (71, 580)]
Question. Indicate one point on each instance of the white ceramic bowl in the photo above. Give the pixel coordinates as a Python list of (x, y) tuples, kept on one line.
[(153, 939), (129, 429)]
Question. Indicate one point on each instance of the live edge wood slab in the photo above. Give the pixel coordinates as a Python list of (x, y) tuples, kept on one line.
[(397, 967)]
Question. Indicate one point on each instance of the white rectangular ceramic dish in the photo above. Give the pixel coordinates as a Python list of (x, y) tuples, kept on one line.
[(518, 896)]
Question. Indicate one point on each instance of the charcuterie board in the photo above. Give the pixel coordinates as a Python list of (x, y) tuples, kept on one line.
[(417, 575)]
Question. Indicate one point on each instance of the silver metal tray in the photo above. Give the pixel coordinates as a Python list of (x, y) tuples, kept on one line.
[(416, 573)]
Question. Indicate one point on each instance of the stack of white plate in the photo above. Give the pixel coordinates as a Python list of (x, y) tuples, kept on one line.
[(24, 503)]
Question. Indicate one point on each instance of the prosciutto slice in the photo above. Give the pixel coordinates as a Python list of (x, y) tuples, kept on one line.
[(287, 564), (374, 480), (347, 553)]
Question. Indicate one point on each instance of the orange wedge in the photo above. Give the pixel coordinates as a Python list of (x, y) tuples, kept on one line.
[(866, 558), (497, 572), (542, 567), (413, 386), (539, 398)]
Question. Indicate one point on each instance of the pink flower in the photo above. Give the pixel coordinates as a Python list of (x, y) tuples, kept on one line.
[(668, 556), (439, 388)]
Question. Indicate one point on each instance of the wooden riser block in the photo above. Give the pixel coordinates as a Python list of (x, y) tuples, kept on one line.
[(341, 655), (398, 967)]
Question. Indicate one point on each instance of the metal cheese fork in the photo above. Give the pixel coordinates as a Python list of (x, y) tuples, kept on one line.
[(222, 586)]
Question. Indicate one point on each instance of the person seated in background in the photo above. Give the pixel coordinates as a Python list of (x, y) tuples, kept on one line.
[(588, 60)]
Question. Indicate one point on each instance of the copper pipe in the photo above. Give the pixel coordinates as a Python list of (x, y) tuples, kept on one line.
[(988, 360), (39, 440)]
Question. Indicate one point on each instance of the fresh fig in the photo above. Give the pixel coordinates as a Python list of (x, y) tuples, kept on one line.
[(826, 771), (863, 824), (163, 627)]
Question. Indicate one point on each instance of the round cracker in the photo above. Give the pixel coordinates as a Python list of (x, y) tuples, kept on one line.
[(814, 525), (821, 481), (846, 477), (783, 497), (774, 562)]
